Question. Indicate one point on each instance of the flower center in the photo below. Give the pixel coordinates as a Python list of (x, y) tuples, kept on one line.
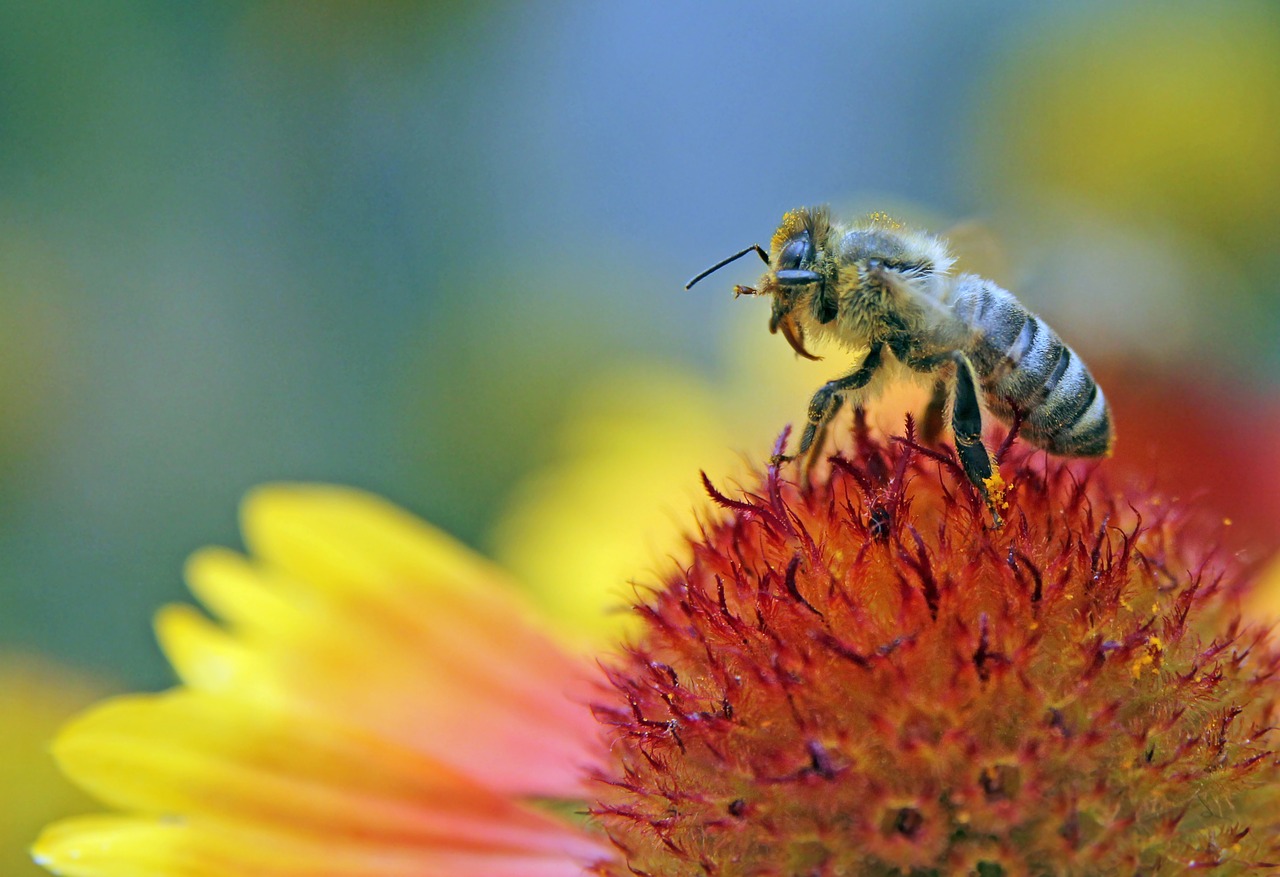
[(866, 679)]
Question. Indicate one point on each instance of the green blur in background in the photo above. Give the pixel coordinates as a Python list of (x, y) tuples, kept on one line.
[(387, 244)]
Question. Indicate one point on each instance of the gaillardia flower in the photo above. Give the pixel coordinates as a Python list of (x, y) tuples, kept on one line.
[(860, 678)]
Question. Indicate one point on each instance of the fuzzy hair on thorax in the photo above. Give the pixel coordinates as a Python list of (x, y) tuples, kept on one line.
[(885, 278)]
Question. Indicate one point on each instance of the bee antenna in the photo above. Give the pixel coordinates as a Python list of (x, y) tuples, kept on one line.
[(718, 265)]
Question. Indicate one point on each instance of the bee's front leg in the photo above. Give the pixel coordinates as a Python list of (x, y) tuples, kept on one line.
[(824, 405), (966, 424)]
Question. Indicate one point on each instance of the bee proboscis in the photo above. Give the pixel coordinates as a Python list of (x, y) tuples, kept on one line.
[(886, 292)]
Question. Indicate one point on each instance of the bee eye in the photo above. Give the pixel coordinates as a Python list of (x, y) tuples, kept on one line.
[(798, 250)]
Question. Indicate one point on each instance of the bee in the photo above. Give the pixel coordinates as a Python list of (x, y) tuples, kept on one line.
[(886, 292)]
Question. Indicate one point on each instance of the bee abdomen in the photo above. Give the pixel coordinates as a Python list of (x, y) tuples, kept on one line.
[(1069, 415), (1024, 365)]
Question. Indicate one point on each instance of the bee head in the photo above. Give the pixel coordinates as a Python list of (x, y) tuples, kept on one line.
[(797, 247), (795, 271)]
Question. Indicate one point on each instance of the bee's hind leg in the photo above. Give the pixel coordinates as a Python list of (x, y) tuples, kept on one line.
[(823, 407), (966, 424), (935, 413), (939, 364)]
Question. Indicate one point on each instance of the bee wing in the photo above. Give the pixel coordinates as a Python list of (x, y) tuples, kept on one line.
[(978, 250)]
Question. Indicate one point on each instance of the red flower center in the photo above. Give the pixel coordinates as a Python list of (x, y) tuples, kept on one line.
[(868, 678)]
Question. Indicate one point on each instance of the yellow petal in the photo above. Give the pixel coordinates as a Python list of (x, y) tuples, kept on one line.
[(108, 846), (218, 759), (616, 505), (240, 595), (204, 655), (362, 617), (332, 536)]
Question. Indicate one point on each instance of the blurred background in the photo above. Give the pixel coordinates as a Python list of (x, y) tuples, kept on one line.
[(437, 251)]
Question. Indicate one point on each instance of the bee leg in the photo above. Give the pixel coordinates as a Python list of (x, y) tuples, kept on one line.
[(935, 414), (824, 405), (817, 443), (966, 424)]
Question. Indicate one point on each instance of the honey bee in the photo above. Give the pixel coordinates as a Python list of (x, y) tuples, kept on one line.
[(886, 293)]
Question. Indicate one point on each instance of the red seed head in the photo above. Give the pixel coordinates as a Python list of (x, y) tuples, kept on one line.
[(866, 678)]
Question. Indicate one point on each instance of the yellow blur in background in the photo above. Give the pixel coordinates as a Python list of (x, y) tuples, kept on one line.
[(36, 697), (1157, 115)]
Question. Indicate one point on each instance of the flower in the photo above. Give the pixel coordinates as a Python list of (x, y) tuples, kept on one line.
[(376, 702), (861, 678)]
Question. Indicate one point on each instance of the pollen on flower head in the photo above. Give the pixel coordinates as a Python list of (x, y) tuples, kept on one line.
[(866, 678), (996, 486)]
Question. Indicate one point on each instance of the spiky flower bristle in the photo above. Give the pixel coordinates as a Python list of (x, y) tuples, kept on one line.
[(868, 678)]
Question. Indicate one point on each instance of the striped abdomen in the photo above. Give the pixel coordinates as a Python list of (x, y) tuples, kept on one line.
[(1023, 364)]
